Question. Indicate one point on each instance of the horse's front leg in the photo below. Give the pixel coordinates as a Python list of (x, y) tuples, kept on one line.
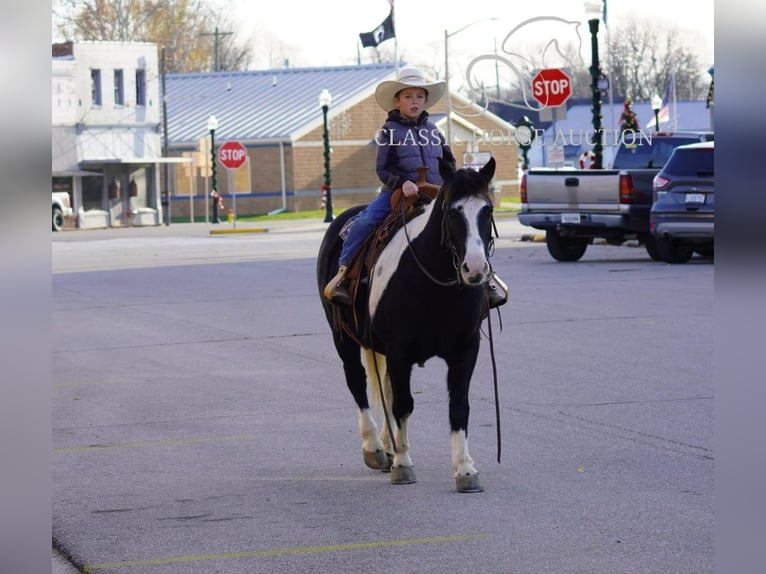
[(402, 406), (460, 370)]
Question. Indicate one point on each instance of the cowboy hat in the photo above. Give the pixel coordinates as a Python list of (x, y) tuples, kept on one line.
[(408, 78)]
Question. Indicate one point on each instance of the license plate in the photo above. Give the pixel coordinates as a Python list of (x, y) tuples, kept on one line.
[(570, 218), (695, 198)]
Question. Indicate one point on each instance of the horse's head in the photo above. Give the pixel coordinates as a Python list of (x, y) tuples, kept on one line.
[(466, 206)]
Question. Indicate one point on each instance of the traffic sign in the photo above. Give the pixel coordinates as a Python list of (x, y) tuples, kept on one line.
[(232, 155), (551, 87)]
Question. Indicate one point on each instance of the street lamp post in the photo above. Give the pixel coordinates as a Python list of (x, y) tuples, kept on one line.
[(447, 100), (656, 107), (593, 10), (212, 125), (324, 102)]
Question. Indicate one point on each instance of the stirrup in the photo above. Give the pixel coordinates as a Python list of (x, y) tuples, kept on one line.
[(497, 291), (336, 290)]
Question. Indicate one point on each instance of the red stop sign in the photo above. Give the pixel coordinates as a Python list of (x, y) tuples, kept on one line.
[(551, 87), (232, 155)]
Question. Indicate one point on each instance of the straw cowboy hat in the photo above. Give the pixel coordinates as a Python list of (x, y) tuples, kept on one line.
[(408, 78)]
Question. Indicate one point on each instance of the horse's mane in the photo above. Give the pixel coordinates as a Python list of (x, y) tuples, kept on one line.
[(465, 182)]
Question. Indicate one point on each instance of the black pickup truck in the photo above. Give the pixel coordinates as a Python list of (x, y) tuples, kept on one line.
[(574, 207)]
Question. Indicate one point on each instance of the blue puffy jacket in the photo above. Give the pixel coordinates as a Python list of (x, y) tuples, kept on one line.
[(404, 145)]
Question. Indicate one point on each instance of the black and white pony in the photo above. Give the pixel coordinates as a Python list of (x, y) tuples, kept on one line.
[(425, 298)]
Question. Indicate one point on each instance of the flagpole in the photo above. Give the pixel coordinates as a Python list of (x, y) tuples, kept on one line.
[(396, 38)]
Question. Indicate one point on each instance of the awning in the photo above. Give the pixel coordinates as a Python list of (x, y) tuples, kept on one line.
[(74, 173)]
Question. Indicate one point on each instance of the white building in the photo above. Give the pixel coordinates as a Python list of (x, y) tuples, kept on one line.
[(106, 132)]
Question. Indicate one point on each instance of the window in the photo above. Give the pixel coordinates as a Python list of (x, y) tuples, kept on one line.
[(140, 87), (119, 88), (95, 87)]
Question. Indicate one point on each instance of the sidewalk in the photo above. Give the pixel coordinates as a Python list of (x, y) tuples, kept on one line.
[(507, 224)]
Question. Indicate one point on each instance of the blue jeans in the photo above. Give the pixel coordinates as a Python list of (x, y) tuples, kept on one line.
[(364, 224)]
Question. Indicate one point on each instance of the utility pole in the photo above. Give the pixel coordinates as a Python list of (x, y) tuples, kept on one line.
[(216, 34)]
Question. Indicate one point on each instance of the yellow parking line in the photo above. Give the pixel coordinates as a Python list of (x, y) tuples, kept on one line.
[(145, 444), (283, 551)]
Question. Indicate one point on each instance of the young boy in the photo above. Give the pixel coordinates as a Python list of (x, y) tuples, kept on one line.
[(408, 140)]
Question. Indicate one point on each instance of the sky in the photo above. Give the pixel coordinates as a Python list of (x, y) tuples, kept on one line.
[(326, 32)]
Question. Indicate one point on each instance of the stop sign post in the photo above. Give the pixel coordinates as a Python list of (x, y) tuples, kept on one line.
[(551, 87), (232, 155)]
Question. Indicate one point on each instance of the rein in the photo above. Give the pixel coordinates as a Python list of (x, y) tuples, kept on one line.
[(453, 283), (446, 240)]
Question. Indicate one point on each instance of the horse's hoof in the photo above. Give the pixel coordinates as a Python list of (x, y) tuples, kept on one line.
[(378, 460), (468, 483), (402, 475)]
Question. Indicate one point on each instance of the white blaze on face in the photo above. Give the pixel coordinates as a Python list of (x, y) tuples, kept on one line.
[(474, 269)]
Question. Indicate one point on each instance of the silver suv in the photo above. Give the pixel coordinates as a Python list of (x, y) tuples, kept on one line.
[(683, 213)]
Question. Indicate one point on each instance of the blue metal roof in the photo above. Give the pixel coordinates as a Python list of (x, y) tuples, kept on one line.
[(263, 105)]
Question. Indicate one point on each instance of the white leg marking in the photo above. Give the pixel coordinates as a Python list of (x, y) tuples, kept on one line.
[(462, 463), (369, 360), (369, 431), (402, 456)]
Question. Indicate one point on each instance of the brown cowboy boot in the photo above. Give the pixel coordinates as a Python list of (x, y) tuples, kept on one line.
[(336, 290), (497, 291)]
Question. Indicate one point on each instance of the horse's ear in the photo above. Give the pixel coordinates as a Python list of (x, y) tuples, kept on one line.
[(488, 171), (446, 170)]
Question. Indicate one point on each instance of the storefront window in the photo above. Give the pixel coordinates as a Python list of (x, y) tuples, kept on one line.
[(92, 192)]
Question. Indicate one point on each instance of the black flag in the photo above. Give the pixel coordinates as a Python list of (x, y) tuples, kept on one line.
[(380, 34)]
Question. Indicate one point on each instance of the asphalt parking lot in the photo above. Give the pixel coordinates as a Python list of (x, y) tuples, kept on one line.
[(201, 422)]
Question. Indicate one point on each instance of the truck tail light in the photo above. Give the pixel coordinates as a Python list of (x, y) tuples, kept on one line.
[(523, 188), (627, 194)]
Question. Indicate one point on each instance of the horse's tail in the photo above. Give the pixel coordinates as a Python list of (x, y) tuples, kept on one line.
[(375, 366)]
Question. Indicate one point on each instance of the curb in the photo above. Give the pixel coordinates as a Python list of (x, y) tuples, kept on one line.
[(232, 231)]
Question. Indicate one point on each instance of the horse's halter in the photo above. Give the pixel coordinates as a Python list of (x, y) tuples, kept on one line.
[(448, 242)]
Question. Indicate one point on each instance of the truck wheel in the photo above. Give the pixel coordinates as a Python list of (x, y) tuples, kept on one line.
[(650, 244), (673, 251), (58, 219), (565, 248)]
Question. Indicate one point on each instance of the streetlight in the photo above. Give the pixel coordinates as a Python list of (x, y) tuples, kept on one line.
[(447, 100), (324, 102), (212, 125), (656, 106), (593, 10), (525, 135)]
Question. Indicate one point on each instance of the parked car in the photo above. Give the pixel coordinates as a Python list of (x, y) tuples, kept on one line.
[(683, 213), (61, 207), (576, 206)]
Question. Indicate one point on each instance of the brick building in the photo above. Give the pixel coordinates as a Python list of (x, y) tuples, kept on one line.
[(276, 115)]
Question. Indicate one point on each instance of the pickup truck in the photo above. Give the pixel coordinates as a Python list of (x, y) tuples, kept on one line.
[(574, 207), (62, 207)]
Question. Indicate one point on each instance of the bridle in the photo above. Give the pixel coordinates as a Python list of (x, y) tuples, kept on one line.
[(448, 242)]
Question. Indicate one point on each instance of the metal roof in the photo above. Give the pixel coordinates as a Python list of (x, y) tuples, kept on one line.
[(263, 106)]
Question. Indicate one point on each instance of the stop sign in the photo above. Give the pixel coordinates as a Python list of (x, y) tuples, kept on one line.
[(232, 155), (551, 87)]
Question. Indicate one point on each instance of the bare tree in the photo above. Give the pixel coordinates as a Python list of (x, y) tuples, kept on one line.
[(645, 56), (185, 28)]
